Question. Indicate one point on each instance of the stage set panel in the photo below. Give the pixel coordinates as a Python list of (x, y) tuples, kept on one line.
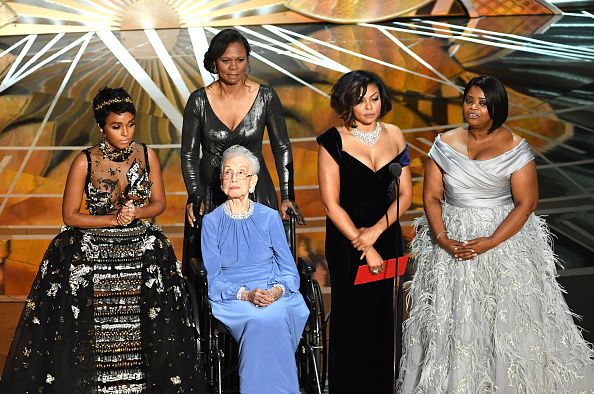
[(301, 49)]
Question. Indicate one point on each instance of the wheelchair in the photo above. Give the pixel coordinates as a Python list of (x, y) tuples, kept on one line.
[(219, 352)]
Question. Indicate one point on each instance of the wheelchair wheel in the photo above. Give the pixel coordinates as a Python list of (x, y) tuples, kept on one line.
[(312, 352)]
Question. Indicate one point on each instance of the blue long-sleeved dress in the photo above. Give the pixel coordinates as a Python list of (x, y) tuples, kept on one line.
[(251, 251)]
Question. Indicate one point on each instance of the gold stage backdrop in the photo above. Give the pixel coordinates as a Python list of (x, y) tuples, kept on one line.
[(68, 16), (47, 83)]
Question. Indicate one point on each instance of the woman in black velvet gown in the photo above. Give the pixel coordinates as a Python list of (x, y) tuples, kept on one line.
[(355, 184), (231, 111)]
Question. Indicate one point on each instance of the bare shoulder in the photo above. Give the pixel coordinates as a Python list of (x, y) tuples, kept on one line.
[(79, 164), (80, 160), (151, 152), (395, 134), (451, 137), (506, 138), (153, 159), (516, 138), (393, 130)]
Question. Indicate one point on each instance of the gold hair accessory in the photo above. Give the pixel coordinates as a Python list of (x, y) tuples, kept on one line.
[(113, 101)]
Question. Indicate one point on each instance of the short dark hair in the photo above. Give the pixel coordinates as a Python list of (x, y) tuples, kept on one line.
[(495, 95), (218, 46), (349, 91), (111, 100)]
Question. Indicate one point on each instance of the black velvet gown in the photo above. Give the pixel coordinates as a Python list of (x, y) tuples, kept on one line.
[(108, 311), (204, 139), (362, 317)]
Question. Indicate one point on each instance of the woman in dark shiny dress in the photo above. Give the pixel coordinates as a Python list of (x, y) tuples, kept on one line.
[(231, 111), (355, 184), (108, 311)]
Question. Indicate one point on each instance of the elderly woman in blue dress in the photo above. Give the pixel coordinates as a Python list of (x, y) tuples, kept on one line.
[(253, 285)]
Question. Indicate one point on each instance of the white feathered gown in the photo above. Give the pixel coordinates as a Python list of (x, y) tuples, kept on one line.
[(497, 323)]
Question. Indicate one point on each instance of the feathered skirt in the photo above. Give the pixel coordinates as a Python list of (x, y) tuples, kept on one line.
[(494, 324)]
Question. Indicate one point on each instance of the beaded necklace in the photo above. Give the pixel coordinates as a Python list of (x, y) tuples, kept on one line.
[(244, 215), (114, 154)]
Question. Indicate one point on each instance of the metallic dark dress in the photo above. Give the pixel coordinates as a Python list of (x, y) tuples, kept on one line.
[(108, 311), (204, 139)]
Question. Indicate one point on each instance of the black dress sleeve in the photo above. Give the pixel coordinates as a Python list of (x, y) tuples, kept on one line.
[(146, 159), (280, 144), (332, 142), (87, 153), (190, 145)]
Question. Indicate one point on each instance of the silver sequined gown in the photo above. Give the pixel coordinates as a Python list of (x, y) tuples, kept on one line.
[(108, 311), (497, 323)]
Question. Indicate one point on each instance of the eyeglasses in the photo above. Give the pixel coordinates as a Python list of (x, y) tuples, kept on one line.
[(240, 175)]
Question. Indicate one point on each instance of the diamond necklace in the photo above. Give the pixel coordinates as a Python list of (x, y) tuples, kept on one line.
[(367, 137)]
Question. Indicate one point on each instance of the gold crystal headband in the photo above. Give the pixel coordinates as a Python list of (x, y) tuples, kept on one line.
[(113, 101)]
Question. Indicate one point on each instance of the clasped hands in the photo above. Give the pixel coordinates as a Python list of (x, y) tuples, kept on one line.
[(364, 243), (466, 250), (126, 214), (262, 298)]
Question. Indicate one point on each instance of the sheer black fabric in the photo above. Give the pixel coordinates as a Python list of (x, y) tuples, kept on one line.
[(108, 311), (362, 317)]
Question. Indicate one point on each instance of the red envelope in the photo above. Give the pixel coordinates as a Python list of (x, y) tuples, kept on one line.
[(364, 276)]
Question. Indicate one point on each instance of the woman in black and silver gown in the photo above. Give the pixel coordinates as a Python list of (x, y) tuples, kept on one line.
[(108, 311), (231, 111)]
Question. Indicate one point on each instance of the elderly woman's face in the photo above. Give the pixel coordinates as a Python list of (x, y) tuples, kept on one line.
[(237, 177)]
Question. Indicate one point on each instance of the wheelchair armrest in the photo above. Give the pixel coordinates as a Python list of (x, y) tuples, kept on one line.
[(198, 267), (304, 267)]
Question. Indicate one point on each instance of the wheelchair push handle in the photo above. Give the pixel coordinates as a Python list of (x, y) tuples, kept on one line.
[(305, 267), (198, 267), (292, 214)]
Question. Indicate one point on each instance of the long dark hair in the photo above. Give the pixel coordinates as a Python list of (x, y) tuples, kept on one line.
[(218, 46), (349, 91)]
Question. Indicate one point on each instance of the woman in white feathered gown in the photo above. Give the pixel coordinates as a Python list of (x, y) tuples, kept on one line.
[(487, 314)]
